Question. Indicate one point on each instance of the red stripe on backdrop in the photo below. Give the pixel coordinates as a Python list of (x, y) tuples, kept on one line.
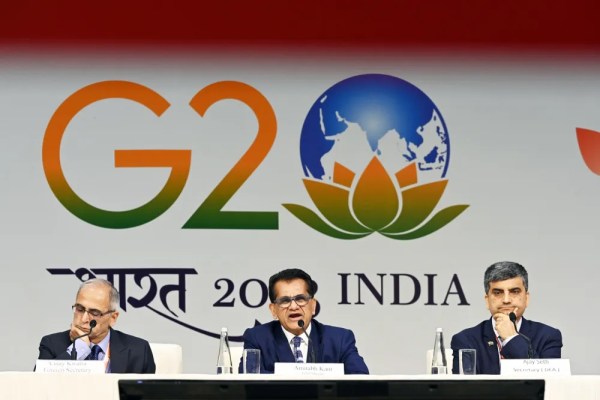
[(515, 24)]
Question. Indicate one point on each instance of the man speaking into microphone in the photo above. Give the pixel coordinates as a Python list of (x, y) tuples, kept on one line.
[(506, 334), (91, 336), (294, 336)]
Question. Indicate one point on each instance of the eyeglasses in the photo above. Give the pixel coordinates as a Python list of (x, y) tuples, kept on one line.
[(79, 309), (284, 302)]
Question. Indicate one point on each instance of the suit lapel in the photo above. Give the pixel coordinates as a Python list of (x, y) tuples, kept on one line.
[(282, 347), (315, 346), (525, 327), (489, 336), (118, 353)]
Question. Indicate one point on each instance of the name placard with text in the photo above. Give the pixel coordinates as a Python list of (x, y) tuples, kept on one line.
[(320, 369), (541, 366), (70, 366)]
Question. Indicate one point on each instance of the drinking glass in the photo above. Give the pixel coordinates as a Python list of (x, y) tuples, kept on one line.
[(467, 361), (251, 361)]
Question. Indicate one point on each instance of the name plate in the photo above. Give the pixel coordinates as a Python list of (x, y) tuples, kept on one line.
[(533, 366), (300, 369), (70, 366)]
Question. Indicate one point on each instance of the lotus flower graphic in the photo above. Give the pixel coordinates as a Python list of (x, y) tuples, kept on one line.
[(354, 135), (589, 145)]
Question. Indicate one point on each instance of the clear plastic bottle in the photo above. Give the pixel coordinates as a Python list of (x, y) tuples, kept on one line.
[(438, 361), (224, 364)]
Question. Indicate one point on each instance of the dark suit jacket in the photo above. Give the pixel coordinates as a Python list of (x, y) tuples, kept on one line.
[(328, 344), (128, 354), (545, 340)]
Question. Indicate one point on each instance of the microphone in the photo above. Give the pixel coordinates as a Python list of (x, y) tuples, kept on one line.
[(530, 352), (312, 348), (73, 351)]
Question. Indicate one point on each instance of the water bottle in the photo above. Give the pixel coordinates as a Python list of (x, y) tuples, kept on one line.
[(224, 364), (438, 361)]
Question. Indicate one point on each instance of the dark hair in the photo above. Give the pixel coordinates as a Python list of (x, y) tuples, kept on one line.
[(502, 271), (288, 275)]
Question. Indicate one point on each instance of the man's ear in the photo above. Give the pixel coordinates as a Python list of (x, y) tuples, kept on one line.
[(273, 310), (113, 318)]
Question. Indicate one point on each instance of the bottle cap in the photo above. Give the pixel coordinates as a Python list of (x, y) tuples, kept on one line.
[(438, 330), (223, 329)]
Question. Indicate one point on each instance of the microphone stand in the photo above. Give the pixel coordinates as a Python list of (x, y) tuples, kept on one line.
[(312, 348), (530, 352)]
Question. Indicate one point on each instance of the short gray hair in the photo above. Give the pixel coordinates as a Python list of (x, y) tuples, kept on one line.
[(502, 271), (113, 295)]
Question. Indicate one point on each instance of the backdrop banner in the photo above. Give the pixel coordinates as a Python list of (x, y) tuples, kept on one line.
[(188, 178)]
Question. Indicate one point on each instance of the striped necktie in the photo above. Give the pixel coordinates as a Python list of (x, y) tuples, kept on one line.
[(297, 352), (499, 347)]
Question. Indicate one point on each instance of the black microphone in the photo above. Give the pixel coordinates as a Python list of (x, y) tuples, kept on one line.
[(73, 351), (530, 352), (312, 348)]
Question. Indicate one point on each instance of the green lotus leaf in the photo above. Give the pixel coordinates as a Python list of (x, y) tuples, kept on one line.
[(332, 202), (310, 218), (438, 221)]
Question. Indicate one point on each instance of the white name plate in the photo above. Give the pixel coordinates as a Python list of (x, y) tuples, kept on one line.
[(299, 369), (536, 366), (70, 366)]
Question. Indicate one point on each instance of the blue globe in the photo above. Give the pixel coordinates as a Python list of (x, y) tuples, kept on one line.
[(374, 114)]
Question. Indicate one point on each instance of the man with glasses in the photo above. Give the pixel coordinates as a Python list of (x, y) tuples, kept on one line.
[(91, 336), (293, 305), (504, 335)]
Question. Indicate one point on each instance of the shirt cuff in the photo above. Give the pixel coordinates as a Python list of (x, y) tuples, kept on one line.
[(82, 348)]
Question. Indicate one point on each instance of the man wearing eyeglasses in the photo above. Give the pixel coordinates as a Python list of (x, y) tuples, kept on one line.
[(504, 335), (293, 305), (97, 300)]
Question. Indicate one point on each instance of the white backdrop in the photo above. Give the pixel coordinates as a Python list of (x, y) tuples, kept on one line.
[(514, 160)]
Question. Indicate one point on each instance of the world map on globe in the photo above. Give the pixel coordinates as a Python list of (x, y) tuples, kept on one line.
[(374, 115)]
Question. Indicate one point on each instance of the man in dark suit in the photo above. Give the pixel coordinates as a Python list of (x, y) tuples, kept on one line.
[(97, 300), (506, 292), (292, 300)]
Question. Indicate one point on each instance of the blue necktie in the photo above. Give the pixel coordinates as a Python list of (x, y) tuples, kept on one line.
[(95, 352), (297, 352)]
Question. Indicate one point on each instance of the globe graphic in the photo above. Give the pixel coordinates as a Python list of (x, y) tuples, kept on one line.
[(374, 115)]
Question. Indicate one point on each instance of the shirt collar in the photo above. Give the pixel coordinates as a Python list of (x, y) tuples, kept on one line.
[(104, 343), (289, 335)]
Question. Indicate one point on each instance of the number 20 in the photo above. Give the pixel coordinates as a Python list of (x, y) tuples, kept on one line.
[(209, 214)]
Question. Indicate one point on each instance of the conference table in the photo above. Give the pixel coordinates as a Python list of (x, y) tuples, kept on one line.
[(56, 386)]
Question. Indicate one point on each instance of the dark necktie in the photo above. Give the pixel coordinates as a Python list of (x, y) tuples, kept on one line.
[(95, 352), (297, 352)]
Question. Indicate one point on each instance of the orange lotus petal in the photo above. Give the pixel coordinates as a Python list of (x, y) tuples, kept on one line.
[(417, 203), (408, 175), (332, 202), (589, 146), (375, 199), (342, 175)]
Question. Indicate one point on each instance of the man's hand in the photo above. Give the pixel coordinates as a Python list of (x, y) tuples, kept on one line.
[(75, 332), (504, 325)]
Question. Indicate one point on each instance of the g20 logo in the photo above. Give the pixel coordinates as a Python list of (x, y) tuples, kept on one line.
[(374, 150), (209, 214)]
